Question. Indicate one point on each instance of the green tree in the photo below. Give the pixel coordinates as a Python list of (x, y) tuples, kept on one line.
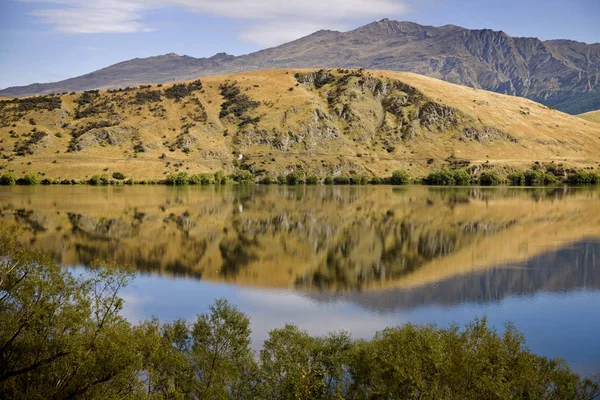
[(220, 351), (60, 335), (289, 367)]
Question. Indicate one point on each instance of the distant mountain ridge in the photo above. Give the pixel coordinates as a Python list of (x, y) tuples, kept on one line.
[(562, 74)]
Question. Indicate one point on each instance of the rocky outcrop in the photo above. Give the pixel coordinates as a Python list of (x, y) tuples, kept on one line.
[(112, 136)]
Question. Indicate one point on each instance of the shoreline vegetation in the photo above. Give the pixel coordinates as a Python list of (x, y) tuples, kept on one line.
[(63, 336), (549, 174)]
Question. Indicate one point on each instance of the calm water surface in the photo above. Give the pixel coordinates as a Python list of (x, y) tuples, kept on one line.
[(331, 258)]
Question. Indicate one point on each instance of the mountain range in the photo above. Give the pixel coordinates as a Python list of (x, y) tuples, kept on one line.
[(562, 74)]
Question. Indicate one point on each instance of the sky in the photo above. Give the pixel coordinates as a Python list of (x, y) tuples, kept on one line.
[(50, 40)]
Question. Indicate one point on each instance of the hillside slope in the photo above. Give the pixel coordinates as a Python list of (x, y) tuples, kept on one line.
[(561, 73), (272, 122), (593, 116)]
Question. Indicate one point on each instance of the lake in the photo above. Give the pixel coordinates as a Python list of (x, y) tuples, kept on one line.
[(357, 258)]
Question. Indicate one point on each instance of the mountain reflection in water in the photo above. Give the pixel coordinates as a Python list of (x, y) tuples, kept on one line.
[(572, 268)]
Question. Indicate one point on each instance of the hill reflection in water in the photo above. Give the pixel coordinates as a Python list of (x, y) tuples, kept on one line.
[(572, 268), (325, 240)]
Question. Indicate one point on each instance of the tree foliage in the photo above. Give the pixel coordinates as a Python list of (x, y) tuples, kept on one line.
[(64, 337)]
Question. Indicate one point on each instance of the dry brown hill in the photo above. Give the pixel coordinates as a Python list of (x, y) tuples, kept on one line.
[(272, 122), (593, 116)]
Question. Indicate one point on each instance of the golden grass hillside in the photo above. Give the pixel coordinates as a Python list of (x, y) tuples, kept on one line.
[(273, 122), (593, 116)]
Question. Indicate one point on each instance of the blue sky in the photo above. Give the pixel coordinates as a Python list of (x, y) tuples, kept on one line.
[(50, 40)]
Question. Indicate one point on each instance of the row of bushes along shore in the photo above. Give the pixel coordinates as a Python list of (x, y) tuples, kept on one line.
[(64, 337), (444, 177)]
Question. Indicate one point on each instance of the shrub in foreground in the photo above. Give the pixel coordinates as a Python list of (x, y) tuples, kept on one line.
[(56, 326)]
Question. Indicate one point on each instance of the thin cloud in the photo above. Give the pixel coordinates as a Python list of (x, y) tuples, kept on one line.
[(266, 22)]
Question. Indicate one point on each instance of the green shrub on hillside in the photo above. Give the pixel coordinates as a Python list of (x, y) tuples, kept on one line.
[(237, 104), (268, 180), (179, 179), (400, 177), (295, 178), (444, 177), (205, 178), (8, 180), (489, 179), (583, 178), (462, 177), (312, 180), (538, 178), (516, 179), (448, 177), (103, 179), (29, 179), (151, 96), (341, 180), (119, 176), (243, 176), (220, 178), (181, 90)]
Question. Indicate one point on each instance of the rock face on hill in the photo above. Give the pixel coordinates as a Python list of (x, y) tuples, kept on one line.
[(559, 73)]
